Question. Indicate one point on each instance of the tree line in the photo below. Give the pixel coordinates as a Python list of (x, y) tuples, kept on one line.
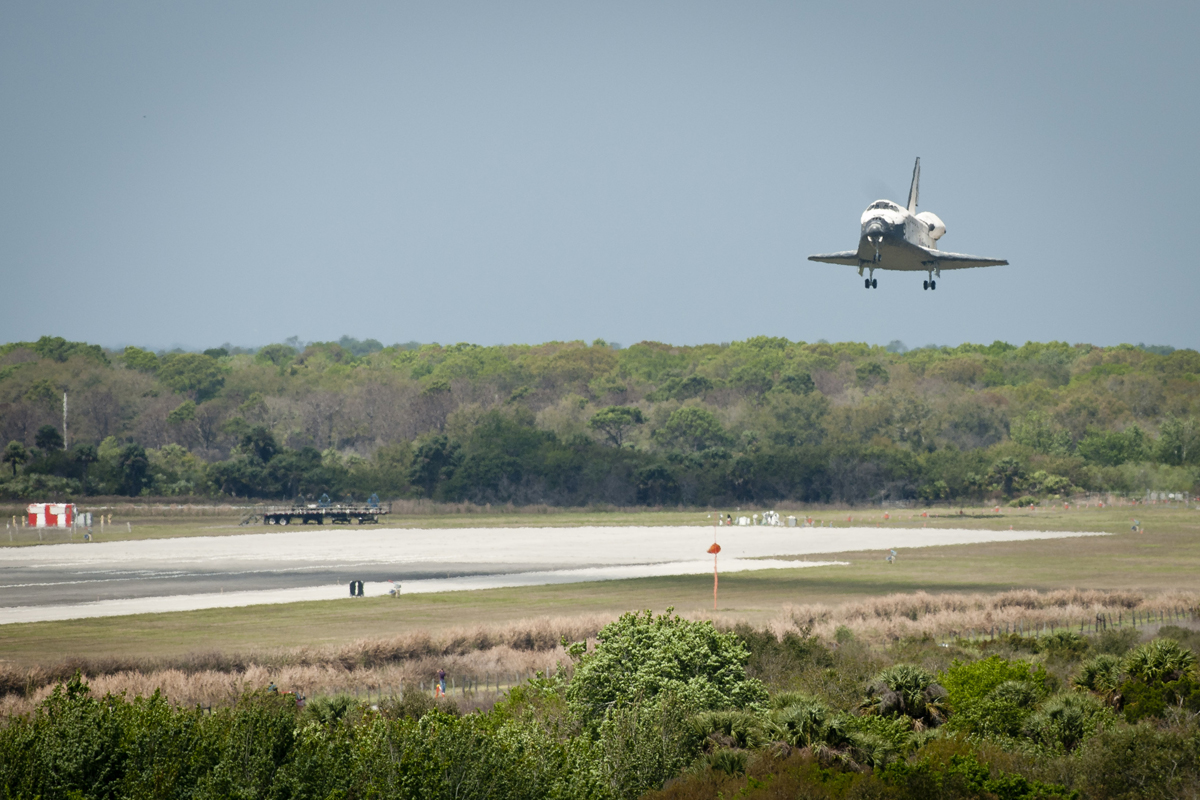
[(572, 423)]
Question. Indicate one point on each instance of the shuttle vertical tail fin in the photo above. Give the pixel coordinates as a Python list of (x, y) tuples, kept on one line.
[(912, 191)]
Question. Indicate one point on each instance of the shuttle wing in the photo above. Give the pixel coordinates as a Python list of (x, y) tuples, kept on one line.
[(848, 257), (939, 259)]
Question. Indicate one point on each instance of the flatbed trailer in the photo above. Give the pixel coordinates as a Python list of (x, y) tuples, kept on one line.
[(337, 513)]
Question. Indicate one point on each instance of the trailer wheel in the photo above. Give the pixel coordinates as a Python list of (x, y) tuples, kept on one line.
[(284, 520), (270, 520)]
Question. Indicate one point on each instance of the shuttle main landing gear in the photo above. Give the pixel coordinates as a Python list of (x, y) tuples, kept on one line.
[(869, 282), (930, 284)]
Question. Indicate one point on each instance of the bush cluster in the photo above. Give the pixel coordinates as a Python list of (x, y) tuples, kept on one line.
[(667, 708)]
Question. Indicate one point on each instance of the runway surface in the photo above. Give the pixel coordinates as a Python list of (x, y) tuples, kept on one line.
[(71, 581)]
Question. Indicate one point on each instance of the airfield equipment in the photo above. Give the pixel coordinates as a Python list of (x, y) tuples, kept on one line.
[(51, 515), (338, 513)]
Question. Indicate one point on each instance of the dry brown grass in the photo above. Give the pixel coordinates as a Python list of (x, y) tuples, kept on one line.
[(491, 669), (916, 615), (484, 654), (496, 656)]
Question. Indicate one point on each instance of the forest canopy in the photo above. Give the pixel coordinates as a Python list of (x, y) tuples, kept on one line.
[(572, 423)]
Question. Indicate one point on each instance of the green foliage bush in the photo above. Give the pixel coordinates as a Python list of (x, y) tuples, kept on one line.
[(969, 681), (1067, 720), (642, 658), (907, 690), (661, 708), (1160, 660)]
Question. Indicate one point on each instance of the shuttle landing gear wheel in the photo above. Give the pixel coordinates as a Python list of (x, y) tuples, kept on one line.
[(932, 285), (874, 283), (867, 282), (925, 285)]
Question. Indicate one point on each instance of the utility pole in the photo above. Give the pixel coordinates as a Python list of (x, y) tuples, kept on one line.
[(64, 420)]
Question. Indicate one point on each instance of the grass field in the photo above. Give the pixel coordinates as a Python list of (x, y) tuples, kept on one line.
[(1166, 556)]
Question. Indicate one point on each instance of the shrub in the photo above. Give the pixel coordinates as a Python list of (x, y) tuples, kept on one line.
[(1067, 720), (967, 682), (877, 741), (808, 722), (1117, 641), (740, 729), (1065, 645), (1141, 700), (1160, 660), (1135, 762), (1188, 638), (775, 659), (641, 657), (1002, 712), (1101, 675), (907, 690), (639, 747)]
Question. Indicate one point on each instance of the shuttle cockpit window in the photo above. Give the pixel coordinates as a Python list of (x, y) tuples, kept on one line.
[(883, 204)]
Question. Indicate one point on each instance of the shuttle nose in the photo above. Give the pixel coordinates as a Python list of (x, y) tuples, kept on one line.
[(874, 228)]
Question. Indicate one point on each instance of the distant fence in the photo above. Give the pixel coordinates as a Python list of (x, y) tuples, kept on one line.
[(1029, 629)]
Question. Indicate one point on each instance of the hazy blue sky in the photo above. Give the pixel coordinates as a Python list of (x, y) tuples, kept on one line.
[(196, 173)]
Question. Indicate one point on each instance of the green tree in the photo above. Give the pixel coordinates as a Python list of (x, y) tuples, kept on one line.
[(15, 454), (260, 442), (642, 658), (1178, 441), (1035, 430), (184, 412), (1006, 472), (615, 422), (134, 468), (59, 349), (277, 354), (85, 455), (193, 373), (141, 360), (870, 375), (656, 486), (48, 439), (692, 428), (796, 383), (434, 462), (1113, 448)]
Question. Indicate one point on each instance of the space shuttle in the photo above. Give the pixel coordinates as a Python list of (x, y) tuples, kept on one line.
[(898, 238)]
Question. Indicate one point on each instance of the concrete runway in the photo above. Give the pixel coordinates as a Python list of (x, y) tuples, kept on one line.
[(69, 581)]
